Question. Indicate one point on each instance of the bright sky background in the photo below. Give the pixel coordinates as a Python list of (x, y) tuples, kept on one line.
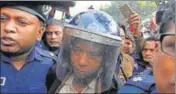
[(83, 5)]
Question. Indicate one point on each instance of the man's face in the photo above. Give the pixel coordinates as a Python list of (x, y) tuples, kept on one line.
[(86, 59), (127, 46), (164, 65), (19, 30), (149, 51), (54, 35)]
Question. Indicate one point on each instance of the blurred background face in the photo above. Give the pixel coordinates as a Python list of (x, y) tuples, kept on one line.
[(127, 46), (85, 59), (164, 64), (54, 35), (19, 31), (149, 50)]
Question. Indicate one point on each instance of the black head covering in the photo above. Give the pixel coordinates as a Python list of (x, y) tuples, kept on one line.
[(38, 8)]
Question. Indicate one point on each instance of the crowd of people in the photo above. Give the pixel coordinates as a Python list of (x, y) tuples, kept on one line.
[(92, 53)]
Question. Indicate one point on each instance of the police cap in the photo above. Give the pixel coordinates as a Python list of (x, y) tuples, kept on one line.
[(38, 8)]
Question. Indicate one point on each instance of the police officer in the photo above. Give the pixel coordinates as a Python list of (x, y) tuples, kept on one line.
[(141, 83), (163, 63), (88, 55), (52, 37), (23, 66)]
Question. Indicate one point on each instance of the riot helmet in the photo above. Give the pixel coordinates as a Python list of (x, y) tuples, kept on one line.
[(89, 50)]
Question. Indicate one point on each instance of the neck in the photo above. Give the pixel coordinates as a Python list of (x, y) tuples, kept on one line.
[(19, 60), (79, 85), (22, 57), (54, 49)]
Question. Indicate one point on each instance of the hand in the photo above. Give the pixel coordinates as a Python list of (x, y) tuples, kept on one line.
[(134, 22)]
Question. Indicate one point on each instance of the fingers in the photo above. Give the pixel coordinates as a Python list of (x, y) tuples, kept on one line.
[(135, 22), (134, 17)]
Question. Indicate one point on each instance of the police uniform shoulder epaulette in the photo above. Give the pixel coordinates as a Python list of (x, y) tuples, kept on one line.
[(143, 81), (147, 72), (45, 53)]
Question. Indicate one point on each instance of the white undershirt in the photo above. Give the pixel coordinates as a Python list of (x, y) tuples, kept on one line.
[(68, 87)]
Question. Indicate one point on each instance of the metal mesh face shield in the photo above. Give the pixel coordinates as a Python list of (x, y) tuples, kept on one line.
[(87, 57)]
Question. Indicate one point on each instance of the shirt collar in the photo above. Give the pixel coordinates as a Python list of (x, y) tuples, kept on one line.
[(33, 55), (5, 58)]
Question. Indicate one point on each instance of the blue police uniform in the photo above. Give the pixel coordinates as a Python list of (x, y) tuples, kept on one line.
[(44, 46), (140, 65), (142, 83), (31, 78), (41, 45)]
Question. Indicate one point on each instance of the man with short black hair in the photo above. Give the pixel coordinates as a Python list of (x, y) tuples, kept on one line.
[(144, 59), (52, 37), (23, 66)]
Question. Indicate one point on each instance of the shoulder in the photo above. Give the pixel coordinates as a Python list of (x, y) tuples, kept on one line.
[(46, 54), (139, 84), (55, 85), (41, 44)]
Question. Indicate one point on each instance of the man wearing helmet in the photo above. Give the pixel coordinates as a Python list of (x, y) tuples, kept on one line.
[(88, 55)]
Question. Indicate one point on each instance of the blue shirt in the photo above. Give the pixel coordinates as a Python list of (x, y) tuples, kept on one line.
[(139, 84), (31, 77)]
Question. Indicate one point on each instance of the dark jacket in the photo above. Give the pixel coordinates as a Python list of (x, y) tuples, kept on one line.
[(51, 75), (43, 45), (139, 84), (140, 65)]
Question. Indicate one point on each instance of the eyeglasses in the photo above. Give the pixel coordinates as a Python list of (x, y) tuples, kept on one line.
[(167, 41)]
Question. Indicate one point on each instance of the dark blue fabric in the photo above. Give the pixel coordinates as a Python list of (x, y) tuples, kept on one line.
[(67, 16), (142, 83), (41, 45), (31, 78), (140, 65), (119, 61)]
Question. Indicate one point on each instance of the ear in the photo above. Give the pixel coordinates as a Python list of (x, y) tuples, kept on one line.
[(157, 46), (40, 33)]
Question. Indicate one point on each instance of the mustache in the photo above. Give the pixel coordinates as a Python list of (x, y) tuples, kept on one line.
[(7, 38)]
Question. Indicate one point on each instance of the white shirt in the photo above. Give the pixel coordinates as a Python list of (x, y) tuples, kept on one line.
[(68, 87)]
